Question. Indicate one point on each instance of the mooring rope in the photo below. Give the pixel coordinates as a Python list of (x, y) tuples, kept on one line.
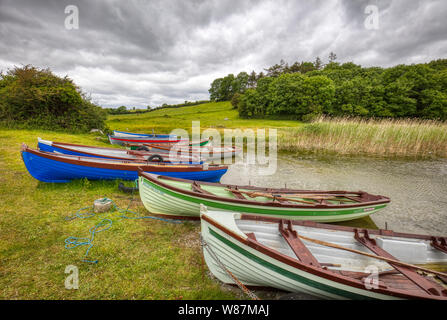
[(105, 224), (213, 255), (74, 242)]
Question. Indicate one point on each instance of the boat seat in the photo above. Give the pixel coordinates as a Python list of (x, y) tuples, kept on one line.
[(439, 243), (298, 247), (197, 188), (234, 191)]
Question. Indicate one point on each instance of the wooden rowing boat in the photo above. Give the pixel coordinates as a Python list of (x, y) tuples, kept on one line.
[(179, 197), (52, 167), (111, 153), (204, 152), (140, 140), (328, 261), (141, 135), (122, 134)]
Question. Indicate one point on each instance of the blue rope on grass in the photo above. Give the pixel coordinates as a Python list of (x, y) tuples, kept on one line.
[(105, 224), (74, 242)]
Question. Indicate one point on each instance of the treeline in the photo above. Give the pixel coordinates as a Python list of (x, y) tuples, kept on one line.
[(185, 104), (125, 110), (36, 98), (308, 89)]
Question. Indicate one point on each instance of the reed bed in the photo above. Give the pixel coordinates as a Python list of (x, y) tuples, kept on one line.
[(356, 136)]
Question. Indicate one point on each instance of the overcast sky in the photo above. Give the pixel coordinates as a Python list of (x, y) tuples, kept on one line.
[(139, 53)]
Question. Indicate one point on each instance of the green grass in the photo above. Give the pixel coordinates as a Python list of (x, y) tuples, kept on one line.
[(210, 115), (138, 259)]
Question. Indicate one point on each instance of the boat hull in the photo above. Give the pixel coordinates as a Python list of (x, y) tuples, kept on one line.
[(47, 169), (165, 201)]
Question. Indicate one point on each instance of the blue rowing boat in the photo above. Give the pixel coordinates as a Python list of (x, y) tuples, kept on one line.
[(52, 167)]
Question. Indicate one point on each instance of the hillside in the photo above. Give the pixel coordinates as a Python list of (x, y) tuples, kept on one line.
[(211, 114)]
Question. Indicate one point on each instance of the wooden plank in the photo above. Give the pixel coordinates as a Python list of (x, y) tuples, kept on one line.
[(298, 247), (412, 275)]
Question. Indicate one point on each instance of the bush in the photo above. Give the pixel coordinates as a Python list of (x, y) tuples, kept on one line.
[(36, 98)]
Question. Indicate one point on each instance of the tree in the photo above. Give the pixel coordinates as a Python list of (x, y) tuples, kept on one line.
[(277, 69), (215, 90), (36, 98), (318, 64), (240, 83), (252, 78), (332, 57), (121, 109)]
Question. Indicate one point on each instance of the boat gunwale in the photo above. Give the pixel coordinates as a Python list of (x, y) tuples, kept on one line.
[(145, 153), (155, 145), (143, 139), (161, 167), (156, 179), (144, 134), (314, 270)]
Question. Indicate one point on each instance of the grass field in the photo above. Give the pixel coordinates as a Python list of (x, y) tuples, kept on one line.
[(210, 115)]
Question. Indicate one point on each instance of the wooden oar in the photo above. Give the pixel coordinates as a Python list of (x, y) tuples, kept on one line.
[(273, 196), (305, 195), (327, 196), (266, 195), (332, 245)]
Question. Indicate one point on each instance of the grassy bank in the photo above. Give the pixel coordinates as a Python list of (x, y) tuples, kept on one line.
[(138, 259), (390, 138)]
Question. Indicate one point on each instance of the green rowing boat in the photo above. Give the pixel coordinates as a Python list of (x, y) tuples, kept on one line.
[(182, 198)]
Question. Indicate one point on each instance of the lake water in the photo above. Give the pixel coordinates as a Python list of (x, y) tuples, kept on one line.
[(418, 189)]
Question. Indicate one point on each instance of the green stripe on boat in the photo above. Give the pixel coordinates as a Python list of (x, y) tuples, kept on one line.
[(286, 273)]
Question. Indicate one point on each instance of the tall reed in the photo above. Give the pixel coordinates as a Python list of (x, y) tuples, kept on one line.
[(354, 136)]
